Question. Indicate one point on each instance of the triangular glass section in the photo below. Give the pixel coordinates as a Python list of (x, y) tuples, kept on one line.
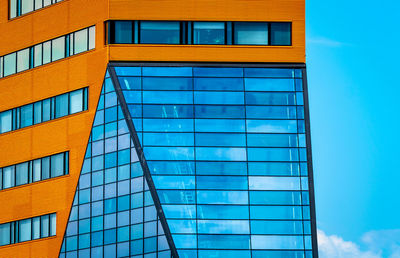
[(113, 213)]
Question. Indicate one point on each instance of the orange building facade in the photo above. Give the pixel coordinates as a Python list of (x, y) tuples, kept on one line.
[(70, 132)]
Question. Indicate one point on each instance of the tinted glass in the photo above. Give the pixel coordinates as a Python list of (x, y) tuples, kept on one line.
[(281, 33), (251, 33), (152, 32), (123, 32), (212, 33)]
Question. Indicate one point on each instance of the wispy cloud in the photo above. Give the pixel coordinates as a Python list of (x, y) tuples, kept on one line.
[(377, 244), (326, 42)]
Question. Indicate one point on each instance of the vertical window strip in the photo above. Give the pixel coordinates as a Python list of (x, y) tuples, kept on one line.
[(45, 52), (39, 113), (31, 171), (27, 230)]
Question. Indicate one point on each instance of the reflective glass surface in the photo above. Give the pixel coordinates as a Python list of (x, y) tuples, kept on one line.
[(226, 149), (113, 213)]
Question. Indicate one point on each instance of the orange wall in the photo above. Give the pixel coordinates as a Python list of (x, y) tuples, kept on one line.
[(87, 69)]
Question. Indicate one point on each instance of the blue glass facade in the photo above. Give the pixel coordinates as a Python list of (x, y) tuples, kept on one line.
[(113, 214), (224, 151)]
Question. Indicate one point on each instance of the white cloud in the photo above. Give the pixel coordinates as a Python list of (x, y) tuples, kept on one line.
[(325, 42), (376, 244)]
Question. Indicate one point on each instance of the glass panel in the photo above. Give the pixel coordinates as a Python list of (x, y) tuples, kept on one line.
[(92, 37), (45, 226), (76, 101), (37, 170), (280, 33), (36, 228), (57, 165), (209, 33), (223, 227), (26, 6), (5, 121), (38, 4), (46, 52), (46, 109), (251, 33), (46, 2), (58, 48), (23, 60), (61, 105), (277, 242), (26, 115), (21, 175), (123, 32), (53, 224), (5, 236), (45, 168), (25, 230), (37, 112), (8, 177), (13, 10), (159, 32), (81, 41), (10, 64)]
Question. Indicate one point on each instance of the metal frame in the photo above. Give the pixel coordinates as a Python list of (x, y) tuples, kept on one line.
[(142, 159)]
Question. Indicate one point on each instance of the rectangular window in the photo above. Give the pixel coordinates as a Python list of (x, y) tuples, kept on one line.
[(209, 33), (80, 41), (26, 115), (123, 32), (281, 33), (76, 102), (26, 6), (27, 229), (57, 48), (22, 60), (13, 9), (46, 52), (159, 32), (251, 33), (5, 121), (10, 64), (34, 170), (61, 105)]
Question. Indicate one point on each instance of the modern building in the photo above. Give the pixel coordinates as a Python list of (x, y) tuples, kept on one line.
[(155, 128)]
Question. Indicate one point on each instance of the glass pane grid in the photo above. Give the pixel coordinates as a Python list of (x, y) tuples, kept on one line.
[(219, 170)]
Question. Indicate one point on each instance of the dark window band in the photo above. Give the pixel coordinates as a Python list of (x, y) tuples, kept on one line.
[(44, 110), (21, 7), (200, 33), (47, 52), (28, 229), (34, 170)]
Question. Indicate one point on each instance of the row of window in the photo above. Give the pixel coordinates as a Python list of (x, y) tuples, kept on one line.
[(176, 72), (28, 229), (200, 33), (21, 7), (44, 110), (34, 170), (47, 52)]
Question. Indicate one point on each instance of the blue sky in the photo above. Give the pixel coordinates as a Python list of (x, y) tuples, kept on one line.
[(354, 89)]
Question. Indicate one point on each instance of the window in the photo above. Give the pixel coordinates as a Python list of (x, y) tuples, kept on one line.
[(159, 32), (21, 7), (44, 110), (27, 229), (48, 51), (58, 48), (251, 33), (123, 32), (212, 33), (199, 33), (281, 33), (34, 170)]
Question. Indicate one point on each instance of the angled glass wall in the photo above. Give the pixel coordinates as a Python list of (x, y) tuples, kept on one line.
[(226, 148), (113, 214)]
